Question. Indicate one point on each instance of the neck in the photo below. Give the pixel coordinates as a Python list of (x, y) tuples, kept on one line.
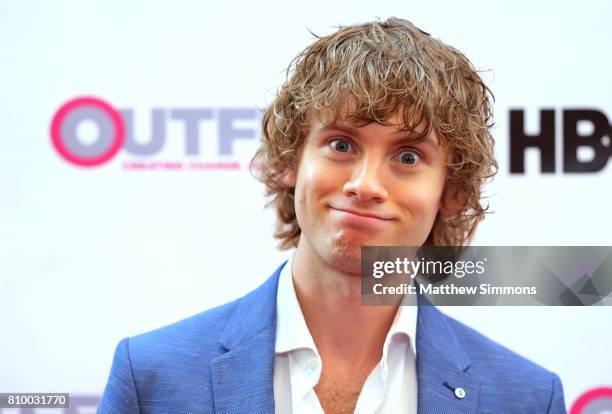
[(345, 332)]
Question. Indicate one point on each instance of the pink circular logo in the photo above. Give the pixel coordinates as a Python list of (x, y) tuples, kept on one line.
[(593, 401), (108, 120)]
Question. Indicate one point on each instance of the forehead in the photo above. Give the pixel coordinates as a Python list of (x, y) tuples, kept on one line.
[(411, 127)]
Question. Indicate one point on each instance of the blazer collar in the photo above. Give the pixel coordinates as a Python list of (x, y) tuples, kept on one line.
[(435, 333), (254, 313), (242, 378), (445, 383)]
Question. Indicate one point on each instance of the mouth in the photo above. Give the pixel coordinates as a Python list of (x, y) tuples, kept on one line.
[(359, 217)]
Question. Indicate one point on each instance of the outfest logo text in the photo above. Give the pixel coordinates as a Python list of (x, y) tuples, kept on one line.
[(115, 135)]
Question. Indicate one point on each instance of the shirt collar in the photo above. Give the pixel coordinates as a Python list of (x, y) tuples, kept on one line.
[(291, 329), (404, 323), (292, 332)]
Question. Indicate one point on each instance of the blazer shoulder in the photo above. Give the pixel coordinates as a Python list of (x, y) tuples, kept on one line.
[(484, 351), (174, 364), (198, 338), (149, 370), (507, 369), (196, 334)]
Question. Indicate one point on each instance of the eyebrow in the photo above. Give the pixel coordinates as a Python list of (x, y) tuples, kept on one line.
[(404, 139)]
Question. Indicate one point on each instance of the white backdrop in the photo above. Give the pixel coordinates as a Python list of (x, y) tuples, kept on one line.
[(91, 255)]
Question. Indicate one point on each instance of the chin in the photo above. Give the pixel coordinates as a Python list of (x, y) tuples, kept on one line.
[(345, 253)]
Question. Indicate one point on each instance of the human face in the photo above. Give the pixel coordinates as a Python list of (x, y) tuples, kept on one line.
[(367, 184)]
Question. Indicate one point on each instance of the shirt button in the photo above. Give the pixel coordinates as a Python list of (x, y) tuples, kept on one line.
[(459, 393), (312, 364)]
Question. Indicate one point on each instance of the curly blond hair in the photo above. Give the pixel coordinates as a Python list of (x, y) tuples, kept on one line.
[(371, 72)]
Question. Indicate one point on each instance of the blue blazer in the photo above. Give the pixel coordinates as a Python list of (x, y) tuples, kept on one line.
[(222, 361)]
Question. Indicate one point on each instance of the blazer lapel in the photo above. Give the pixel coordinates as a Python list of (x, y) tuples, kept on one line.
[(243, 377), (445, 384)]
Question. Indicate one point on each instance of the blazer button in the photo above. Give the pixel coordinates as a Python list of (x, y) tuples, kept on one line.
[(459, 393)]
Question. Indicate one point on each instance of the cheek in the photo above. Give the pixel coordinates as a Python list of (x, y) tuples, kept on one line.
[(421, 198), (316, 179), (314, 184)]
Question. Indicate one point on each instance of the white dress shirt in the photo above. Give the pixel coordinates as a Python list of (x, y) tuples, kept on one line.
[(391, 387)]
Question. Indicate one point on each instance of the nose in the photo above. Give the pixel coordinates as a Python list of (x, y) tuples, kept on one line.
[(365, 183)]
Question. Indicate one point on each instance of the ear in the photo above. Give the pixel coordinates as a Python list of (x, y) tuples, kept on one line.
[(450, 203), (288, 177)]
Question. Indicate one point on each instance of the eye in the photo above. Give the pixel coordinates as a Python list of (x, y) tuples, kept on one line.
[(340, 145), (409, 157)]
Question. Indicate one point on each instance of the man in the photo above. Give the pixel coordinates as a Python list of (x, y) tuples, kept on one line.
[(380, 136)]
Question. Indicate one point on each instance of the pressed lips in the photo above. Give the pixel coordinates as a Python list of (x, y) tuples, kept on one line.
[(353, 216)]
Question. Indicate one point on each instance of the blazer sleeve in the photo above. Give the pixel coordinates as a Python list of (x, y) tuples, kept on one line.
[(120, 395), (557, 401)]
